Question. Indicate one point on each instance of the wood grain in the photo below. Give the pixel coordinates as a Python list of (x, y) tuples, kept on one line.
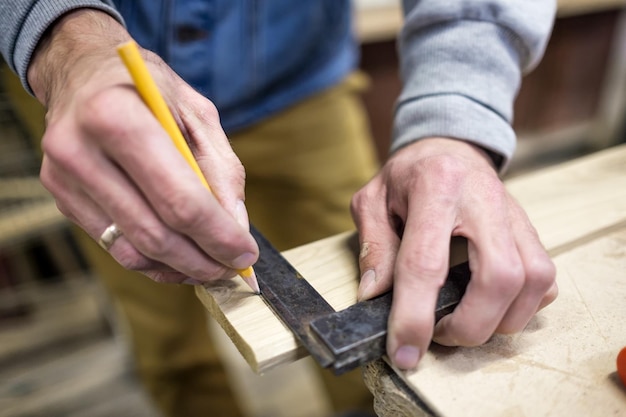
[(569, 205), (260, 336), (577, 200), (563, 364)]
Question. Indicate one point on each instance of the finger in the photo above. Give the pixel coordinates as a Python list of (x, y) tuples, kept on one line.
[(150, 159), (378, 240), (497, 277), (121, 203), (539, 281), (549, 297), (213, 151), (70, 200), (78, 207), (147, 233), (420, 271), (83, 211)]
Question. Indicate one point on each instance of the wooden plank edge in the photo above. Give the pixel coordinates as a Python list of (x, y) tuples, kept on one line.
[(257, 364)]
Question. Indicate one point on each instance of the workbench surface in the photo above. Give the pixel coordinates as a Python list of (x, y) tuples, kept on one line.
[(562, 364)]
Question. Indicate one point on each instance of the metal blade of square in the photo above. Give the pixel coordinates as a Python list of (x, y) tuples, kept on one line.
[(340, 340)]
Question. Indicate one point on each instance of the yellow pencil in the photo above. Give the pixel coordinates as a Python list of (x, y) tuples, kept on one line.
[(149, 91)]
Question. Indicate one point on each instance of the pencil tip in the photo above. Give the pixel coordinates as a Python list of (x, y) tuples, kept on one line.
[(252, 281)]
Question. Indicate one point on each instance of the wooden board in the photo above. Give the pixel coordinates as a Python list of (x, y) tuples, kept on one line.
[(575, 201), (563, 364), (569, 205), (259, 335)]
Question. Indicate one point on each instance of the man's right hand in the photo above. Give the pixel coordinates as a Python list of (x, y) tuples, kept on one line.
[(107, 159)]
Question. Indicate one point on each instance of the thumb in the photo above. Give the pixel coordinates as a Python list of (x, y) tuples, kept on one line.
[(220, 165), (378, 241)]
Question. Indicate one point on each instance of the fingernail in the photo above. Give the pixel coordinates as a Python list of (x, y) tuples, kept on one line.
[(407, 357), (367, 285), (243, 261), (241, 214)]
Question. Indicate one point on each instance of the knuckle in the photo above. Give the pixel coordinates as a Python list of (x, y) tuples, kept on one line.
[(100, 116), (550, 295), (366, 194), (448, 165), (65, 211), (131, 259), (426, 265), (541, 273), (150, 240), (98, 111), (47, 179), (240, 173), (208, 111), (447, 168), (235, 179), (62, 151), (356, 201), (179, 212), (202, 110), (507, 279)]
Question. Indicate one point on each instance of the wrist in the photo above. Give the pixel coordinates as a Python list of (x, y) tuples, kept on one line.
[(442, 145), (79, 38), (497, 160)]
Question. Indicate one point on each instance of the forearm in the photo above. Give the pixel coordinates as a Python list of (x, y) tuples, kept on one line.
[(462, 66), (81, 39)]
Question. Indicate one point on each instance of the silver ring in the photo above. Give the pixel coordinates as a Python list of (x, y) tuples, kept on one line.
[(108, 237)]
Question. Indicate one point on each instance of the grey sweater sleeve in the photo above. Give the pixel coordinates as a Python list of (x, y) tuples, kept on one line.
[(461, 64), (23, 22)]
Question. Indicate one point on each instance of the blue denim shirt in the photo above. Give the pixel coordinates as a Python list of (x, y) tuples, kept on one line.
[(251, 58), (461, 61)]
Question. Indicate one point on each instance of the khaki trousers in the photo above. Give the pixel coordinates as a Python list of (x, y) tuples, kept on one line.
[(302, 167)]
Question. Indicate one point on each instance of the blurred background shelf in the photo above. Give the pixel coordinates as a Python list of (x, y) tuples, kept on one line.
[(58, 356), (574, 102)]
